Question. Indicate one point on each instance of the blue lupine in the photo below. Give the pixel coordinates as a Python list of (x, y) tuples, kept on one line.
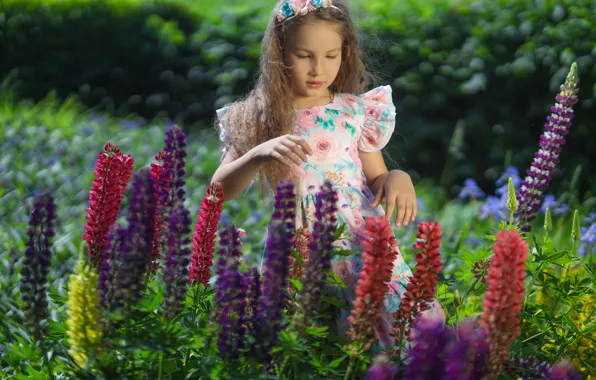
[(527, 368), (471, 190)]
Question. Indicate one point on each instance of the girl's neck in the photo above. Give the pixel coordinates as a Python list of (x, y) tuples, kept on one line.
[(303, 102)]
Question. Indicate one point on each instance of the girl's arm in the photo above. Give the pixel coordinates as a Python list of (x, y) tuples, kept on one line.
[(236, 173), (395, 188)]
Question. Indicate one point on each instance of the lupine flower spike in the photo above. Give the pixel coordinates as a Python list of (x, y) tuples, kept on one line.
[(504, 297), (378, 258), (84, 318), (275, 267), (421, 289), (230, 294), (545, 160), (169, 186), (204, 235), (135, 245), (512, 204), (36, 267), (320, 246), (548, 221), (176, 267), (112, 174), (382, 368)]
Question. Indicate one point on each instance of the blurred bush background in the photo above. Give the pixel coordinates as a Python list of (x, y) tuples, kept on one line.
[(473, 80)]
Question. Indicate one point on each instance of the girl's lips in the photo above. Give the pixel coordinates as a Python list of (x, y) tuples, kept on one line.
[(315, 84)]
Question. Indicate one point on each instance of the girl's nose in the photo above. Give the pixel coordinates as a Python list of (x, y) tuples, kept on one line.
[(315, 69)]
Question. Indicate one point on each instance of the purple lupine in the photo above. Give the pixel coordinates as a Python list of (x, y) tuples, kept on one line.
[(545, 160), (36, 266), (429, 349), (319, 260), (229, 294), (134, 250), (527, 368), (253, 295), (382, 368), (108, 262), (169, 183), (275, 267), (564, 370), (468, 356), (471, 190), (178, 258), (556, 208)]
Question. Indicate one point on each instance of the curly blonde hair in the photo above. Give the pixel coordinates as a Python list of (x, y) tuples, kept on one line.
[(267, 111)]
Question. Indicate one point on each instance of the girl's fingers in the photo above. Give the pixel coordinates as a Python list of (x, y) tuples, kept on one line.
[(377, 199), (390, 206), (281, 158), (302, 142), (296, 148), (409, 212), (401, 211), (415, 210), (288, 153)]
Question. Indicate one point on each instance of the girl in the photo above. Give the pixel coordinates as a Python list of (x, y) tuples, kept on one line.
[(308, 119)]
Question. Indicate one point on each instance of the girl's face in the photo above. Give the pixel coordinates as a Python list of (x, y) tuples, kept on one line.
[(315, 58)]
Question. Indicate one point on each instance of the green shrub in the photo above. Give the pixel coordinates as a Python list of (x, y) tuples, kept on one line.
[(492, 67)]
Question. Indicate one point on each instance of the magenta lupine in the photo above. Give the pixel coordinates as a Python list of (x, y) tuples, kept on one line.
[(36, 266), (538, 177), (382, 368), (135, 246), (178, 257), (320, 246)]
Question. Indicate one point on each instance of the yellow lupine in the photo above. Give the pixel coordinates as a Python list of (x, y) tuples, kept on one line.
[(84, 326)]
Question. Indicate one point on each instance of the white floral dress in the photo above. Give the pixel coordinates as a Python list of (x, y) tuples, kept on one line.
[(336, 133)]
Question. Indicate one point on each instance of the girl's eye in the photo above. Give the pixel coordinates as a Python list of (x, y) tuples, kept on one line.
[(332, 57), (302, 56)]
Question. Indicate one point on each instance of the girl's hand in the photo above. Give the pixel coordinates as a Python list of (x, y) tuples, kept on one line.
[(398, 190), (287, 149)]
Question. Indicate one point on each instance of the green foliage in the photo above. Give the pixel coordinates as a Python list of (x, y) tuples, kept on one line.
[(491, 67), (59, 152)]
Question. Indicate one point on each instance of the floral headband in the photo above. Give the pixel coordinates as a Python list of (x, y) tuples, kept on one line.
[(293, 8)]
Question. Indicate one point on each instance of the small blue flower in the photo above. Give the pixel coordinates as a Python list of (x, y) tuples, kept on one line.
[(494, 207), (555, 207), (471, 190), (317, 3), (287, 10), (591, 218), (503, 181), (588, 238)]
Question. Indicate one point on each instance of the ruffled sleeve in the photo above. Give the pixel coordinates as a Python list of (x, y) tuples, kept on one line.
[(223, 134), (379, 119)]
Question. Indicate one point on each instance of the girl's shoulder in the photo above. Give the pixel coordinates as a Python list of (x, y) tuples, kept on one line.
[(378, 97)]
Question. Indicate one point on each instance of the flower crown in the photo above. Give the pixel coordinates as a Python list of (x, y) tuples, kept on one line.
[(293, 8)]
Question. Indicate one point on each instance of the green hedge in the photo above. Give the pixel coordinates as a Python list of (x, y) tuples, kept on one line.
[(491, 66)]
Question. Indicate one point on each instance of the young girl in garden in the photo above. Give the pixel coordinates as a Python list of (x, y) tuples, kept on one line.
[(309, 120)]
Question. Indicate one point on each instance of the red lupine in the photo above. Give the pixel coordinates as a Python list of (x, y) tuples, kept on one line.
[(301, 240), (204, 236), (422, 286), (163, 187), (112, 174), (378, 257), (504, 297)]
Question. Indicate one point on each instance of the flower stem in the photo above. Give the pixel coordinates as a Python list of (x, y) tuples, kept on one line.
[(160, 370)]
